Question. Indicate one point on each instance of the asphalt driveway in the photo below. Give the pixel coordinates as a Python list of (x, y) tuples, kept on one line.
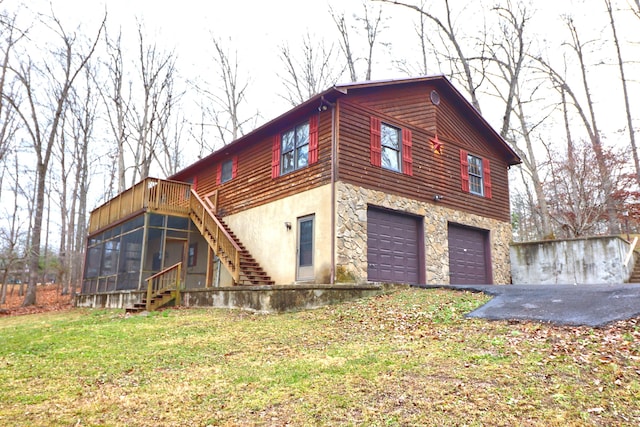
[(588, 305)]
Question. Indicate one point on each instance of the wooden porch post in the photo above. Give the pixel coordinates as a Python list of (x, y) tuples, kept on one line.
[(209, 277)]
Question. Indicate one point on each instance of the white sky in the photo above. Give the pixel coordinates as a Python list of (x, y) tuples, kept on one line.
[(257, 28)]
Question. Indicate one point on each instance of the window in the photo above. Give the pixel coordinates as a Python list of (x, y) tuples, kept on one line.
[(391, 142), (295, 148), (227, 170), (192, 256), (391, 147), (475, 173)]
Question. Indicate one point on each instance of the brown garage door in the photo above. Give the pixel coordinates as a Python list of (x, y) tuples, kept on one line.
[(469, 256), (393, 252)]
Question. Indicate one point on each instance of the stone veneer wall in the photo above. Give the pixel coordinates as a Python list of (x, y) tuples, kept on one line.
[(351, 236)]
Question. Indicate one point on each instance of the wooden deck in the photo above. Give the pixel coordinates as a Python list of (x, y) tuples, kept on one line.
[(151, 194)]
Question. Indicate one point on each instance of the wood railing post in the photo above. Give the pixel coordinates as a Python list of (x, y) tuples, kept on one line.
[(178, 284), (149, 292)]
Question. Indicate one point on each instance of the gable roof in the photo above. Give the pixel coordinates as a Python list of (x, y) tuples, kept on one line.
[(340, 90)]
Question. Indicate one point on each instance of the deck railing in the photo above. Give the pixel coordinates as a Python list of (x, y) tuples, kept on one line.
[(222, 244), (167, 197), (162, 282)]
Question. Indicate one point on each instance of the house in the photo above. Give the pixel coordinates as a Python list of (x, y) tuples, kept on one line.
[(398, 181)]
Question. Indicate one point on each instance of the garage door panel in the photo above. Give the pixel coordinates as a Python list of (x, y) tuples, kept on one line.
[(392, 242), (468, 255)]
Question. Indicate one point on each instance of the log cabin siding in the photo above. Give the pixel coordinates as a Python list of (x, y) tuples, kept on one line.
[(253, 186), (409, 103), (432, 173)]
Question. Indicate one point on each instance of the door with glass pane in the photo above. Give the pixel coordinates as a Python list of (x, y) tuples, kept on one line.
[(304, 264)]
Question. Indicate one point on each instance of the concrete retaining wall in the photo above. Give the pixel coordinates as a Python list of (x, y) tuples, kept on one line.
[(270, 299), (592, 260)]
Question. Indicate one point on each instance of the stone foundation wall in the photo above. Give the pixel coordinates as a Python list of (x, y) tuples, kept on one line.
[(351, 235)]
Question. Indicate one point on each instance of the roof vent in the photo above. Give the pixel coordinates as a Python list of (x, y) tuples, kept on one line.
[(435, 97)]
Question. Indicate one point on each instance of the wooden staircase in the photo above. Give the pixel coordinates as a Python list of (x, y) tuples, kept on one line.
[(163, 288), (244, 269), (635, 276), (251, 273)]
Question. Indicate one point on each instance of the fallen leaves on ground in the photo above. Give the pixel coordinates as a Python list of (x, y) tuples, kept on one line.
[(48, 298)]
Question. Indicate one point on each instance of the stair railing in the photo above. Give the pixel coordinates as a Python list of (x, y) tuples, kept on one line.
[(631, 249), (219, 240), (165, 280)]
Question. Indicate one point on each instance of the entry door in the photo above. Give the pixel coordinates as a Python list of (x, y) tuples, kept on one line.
[(304, 264), (175, 250)]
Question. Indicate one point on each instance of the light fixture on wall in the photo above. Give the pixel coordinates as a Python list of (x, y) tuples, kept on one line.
[(287, 225), (438, 197)]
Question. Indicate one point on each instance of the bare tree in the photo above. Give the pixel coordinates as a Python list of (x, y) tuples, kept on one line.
[(53, 80), (510, 52), (625, 90), (419, 67), (461, 68), (223, 100), (10, 36), (11, 236), (316, 71), (149, 119), (578, 200), (117, 101), (373, 24)]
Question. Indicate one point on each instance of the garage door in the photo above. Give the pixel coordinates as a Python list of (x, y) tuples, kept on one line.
[(392, 247), (469, 258)]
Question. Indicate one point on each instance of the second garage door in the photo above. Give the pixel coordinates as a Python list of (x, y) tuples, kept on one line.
[(393, 250), (469, 257)]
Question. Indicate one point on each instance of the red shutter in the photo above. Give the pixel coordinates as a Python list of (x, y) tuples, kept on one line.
[(275, 157), (219, 174), (486, 169), (195, 183), (407, 160), (313, 139), (376, 143), (234, 167), (464, 170)]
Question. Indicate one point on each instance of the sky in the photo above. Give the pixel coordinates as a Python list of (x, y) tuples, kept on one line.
[(257, 28)]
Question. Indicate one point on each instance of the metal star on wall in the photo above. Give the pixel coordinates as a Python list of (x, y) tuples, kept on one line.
[(436, 144)]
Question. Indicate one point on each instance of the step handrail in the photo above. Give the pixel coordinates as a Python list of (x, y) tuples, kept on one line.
[(226, 247), (167, 279), (631, 249)]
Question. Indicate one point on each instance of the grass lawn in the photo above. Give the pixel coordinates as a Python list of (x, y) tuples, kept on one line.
[(408, 358)]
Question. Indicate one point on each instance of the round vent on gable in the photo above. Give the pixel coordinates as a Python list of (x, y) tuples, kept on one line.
[(435, 97)]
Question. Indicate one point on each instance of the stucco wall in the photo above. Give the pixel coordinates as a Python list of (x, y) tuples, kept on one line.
[(594, 260), (262, 230), (351, 242)]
